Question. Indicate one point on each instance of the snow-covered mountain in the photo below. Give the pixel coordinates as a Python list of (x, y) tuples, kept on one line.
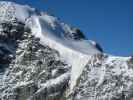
[(42, 58)]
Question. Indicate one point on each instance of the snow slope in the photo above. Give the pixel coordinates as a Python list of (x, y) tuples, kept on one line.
[(51, 32), (76, 53)]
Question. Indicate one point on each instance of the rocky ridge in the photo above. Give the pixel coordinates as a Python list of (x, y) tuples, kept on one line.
[(33, 67)]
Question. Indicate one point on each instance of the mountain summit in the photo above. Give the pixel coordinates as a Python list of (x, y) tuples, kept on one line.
[(42, 58)]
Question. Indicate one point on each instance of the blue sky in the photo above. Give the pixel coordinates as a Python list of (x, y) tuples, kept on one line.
[(109, 22)]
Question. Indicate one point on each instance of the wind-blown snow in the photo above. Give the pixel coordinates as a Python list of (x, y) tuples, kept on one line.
[(51, 32)]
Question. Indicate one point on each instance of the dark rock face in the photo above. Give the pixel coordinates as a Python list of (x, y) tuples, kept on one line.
[(76, 34), (11, 30), (9, 34), (131, 59), (99, 47)]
